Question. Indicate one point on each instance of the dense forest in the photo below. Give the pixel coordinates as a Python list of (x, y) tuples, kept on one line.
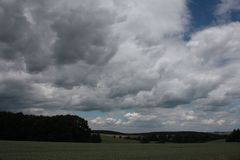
[(234, 136), (64, 128)]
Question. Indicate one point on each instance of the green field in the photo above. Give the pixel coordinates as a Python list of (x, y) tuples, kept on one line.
[(12, 150)]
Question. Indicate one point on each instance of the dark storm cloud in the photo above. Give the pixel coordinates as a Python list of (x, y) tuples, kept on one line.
[(84, 34), (22, 38), (13, 27), (15, 94), (43, 34)]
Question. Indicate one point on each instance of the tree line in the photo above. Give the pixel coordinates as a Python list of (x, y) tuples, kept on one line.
[(185, 137), (64, 128), (176, 137)]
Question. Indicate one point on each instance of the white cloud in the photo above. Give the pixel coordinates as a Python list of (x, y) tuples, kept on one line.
[(213, 122), (128, 118), (148, 22), (169, 123), (98, 121), (227, 6), (162, 119), (131, 117)]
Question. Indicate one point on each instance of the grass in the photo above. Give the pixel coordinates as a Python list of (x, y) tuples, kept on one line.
[(12, 150)]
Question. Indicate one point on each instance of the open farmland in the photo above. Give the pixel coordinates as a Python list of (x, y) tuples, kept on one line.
[(13, 150)]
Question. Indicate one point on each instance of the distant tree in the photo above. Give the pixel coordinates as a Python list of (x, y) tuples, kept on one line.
[(138, 138), (162, 139), (96, 138), (234, 136), (145, 139), (153, 137)]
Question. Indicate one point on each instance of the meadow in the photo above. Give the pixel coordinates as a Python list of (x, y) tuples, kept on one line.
[(19, 150)]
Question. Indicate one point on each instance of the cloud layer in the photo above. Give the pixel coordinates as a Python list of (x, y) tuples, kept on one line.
[(106, 55)]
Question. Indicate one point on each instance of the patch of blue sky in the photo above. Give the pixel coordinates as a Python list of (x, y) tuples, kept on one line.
[(235, 16), (202, 13)]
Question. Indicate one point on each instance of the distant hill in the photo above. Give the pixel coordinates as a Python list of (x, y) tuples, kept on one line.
[(174, 136), (160, 132), (108, 132)]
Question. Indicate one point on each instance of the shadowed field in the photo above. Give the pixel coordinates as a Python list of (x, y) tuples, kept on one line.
[(12, 150)]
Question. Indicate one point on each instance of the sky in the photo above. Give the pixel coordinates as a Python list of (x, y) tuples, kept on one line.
[(129, 65)]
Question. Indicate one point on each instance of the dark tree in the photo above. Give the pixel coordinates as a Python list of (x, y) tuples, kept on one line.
[(145, 139), (162, 139), (153, 137), (96, 138), (234, 136), (67, 128)]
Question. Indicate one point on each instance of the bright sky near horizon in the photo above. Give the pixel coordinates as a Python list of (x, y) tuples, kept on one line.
[(129, 65)]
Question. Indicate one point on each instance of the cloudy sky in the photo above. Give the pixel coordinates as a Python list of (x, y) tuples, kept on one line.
[(129, 65)]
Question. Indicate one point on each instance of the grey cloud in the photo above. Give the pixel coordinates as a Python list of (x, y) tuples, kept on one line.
[(13, 26), (234, 93), (15, 94), (21, 38), (130, 84), (76, 75), (43, 33), (85, 34)]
